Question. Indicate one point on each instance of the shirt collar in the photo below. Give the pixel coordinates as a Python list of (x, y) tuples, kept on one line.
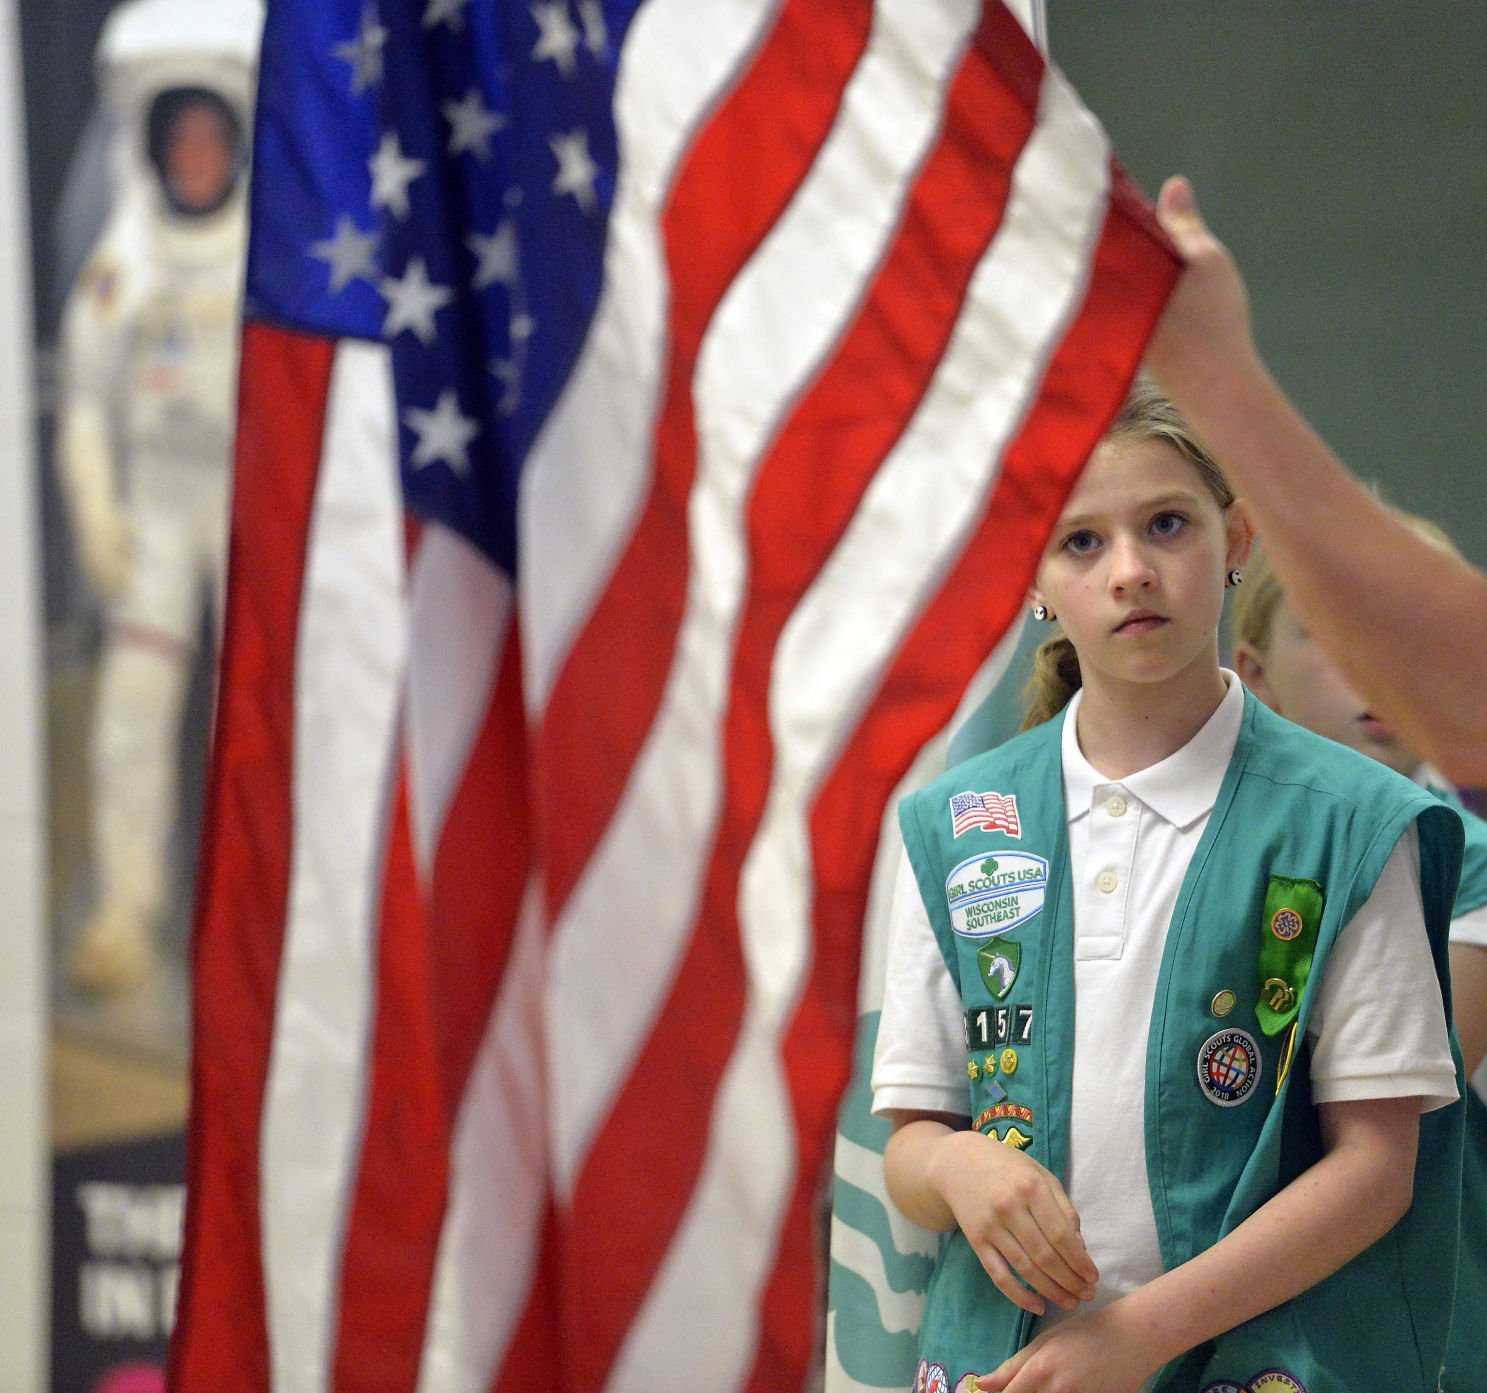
[(1181, 788)]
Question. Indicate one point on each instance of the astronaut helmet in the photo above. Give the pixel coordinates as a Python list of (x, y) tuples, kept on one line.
[(178, 77)]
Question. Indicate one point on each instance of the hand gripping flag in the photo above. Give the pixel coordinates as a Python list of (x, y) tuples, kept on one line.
[(650, 418)]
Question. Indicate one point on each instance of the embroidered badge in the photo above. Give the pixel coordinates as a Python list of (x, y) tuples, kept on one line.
[(1224, 1386), (967, 1383), (991, 812), (1276, 1381), (999, 961), (989, 896), (921, 1376), (1009, 1061), (992, 1027), (1228, 1067), (1000, 1112), (1286, 924), (936, 1380), (1017, 1140), (1288, 938)]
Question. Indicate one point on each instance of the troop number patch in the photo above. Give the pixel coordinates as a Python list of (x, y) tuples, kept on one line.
[(1228, 1067)]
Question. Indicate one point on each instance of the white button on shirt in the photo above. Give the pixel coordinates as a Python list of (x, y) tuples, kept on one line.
[(1119, 935)]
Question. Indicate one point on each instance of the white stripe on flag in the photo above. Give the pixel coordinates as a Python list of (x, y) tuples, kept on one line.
[(350, 661), (588, 473), (459, 609), (488, 1246)]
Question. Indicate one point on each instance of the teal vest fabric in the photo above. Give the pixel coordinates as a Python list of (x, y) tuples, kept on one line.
[(1466, 1355), (1291, 805)]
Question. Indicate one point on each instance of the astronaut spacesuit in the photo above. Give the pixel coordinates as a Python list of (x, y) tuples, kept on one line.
[(149, 385)]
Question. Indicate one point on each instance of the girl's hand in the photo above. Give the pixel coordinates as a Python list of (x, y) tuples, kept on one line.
[(1097, 1352), (1018, 1220)]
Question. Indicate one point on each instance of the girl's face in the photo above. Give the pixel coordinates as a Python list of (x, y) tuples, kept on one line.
[(1295, 678), (1135, 568)]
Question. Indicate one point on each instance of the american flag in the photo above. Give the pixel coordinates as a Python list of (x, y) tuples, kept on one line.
[(761, 341), (995, 812)]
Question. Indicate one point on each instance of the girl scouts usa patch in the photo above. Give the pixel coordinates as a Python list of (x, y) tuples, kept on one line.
[(1228, 1070), (991, 895)]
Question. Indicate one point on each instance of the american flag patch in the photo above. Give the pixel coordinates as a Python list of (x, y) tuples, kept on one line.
[(994, 812)]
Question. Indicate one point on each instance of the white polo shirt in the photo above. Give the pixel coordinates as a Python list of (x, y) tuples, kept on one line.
[(1375, 1034)]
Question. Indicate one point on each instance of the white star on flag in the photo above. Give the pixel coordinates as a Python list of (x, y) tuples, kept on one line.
[(392, 172), (450, 12), (576, 169), (351, 254), (495, 255), (444, 434), (413, 301), (364, 53), (595, 32), (557, 38), (471, 125)]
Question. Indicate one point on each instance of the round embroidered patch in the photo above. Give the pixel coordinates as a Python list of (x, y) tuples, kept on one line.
[(1224, 1386), (1275, 1381), (936, 1380), (1228, 1067), (1286, 924)]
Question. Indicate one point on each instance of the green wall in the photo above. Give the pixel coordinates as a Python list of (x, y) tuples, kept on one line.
[(1340, 149)]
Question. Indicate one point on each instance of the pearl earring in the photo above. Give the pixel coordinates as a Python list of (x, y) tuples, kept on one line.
[(1235, 577), (1041, 614)]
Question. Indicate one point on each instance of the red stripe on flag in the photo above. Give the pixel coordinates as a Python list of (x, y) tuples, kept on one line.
[(798, 514), (221, 1341), (758, 146), (440, 964)]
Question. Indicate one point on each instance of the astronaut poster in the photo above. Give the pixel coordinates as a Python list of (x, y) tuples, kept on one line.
[(139, 217)]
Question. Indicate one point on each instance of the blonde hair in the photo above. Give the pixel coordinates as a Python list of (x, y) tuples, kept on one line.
[(1146, 414), (1256, 605)]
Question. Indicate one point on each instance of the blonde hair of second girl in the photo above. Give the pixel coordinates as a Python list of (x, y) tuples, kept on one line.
[(1145, 415), (1256, 605)]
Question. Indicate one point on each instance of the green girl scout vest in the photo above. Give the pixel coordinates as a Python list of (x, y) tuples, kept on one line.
[(1297, 838), (1466, 1355)]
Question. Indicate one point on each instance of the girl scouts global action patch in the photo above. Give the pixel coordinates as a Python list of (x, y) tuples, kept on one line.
[(1270, 1381), (1229, 1068)]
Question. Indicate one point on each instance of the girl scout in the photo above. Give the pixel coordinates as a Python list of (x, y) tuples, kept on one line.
[(1163, 1039)]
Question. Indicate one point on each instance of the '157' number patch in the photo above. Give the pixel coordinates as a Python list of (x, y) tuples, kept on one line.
[(988, 1026)]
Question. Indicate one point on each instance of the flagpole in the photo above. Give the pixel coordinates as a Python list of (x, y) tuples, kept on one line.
[(23, 1178), (1034, 17)]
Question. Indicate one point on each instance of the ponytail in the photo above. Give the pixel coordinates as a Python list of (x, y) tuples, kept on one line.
[(1055, 679)]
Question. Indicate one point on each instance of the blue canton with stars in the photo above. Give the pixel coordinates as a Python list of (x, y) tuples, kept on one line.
[(438, 174)]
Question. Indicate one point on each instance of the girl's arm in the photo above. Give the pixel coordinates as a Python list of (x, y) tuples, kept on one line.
[(1012, 1210), (1406, 621), (1469, 998), (1329, 1214)]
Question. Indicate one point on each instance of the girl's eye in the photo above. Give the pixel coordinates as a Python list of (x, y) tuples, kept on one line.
[(1167, 524), (1081, 543)]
